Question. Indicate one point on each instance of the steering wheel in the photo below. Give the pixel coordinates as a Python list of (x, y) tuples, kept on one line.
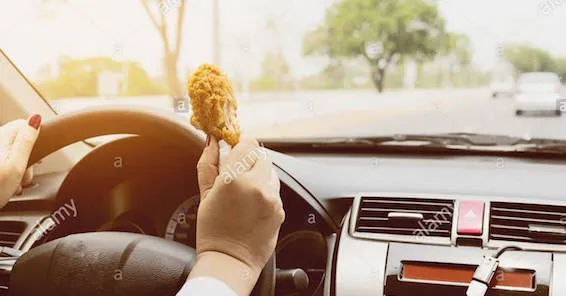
[(113, 263)]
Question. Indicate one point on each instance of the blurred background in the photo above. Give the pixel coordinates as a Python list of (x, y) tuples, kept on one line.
[(314, 68)]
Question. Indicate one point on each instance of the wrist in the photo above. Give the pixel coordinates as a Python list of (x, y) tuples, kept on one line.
[(238, 275)]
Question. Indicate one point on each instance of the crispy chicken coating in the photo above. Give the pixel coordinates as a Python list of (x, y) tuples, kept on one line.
[(214, 104)]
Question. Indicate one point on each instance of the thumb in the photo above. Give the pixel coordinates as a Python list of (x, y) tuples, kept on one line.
[(26, 135), (207, 166)]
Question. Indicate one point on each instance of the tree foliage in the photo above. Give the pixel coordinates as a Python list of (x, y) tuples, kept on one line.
[(560, 66), (525, 58), (458, 46), (382, 32)]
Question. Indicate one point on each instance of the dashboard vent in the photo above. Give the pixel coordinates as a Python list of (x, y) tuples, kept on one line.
[(405, 216), (10, 232), (528, 223)]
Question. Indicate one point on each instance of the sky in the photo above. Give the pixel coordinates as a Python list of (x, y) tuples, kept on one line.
[(38, 32)]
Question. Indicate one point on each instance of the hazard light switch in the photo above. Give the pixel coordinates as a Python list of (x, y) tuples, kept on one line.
[(470, 217)]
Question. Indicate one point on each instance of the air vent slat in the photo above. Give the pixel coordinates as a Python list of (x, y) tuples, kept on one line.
[(412, 225), (405, 216), (509, 227), (529, 220), (411, 202), (373, 219), (528, 212), (399, 230), (397, 210), (11, 232), (528, 223), (528, 239)]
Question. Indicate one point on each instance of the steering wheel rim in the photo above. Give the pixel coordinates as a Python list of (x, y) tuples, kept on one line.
[(87, 123), (73, 127)]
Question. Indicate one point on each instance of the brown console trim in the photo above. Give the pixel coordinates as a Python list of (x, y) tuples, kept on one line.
[(462, 274)]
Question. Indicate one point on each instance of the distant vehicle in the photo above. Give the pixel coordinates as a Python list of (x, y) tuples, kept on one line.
[(538, 92), (504, 88)]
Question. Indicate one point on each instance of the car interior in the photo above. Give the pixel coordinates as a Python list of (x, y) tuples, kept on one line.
[(362, 217)]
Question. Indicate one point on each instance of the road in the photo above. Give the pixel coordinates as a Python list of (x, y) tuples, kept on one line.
[(468, 111), (479, 115), (366, 113)]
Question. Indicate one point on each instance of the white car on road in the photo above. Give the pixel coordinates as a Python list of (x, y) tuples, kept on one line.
[(538, 92)]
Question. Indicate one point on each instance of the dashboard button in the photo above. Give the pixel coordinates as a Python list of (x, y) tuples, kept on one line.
[(470, 217)]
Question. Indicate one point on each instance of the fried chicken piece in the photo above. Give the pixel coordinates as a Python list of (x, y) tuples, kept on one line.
[(214, 104)]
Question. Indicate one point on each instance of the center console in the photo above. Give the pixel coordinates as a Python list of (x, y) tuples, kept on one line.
[(413, 244)]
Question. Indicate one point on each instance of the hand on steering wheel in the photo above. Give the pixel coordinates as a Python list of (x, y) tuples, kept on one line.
[(239, 215), (16, 142)]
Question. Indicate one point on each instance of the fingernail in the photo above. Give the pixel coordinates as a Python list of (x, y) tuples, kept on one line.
[(207, 140), (35, 121)]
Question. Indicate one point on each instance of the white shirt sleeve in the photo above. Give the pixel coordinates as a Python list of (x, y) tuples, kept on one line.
[(205, 286)]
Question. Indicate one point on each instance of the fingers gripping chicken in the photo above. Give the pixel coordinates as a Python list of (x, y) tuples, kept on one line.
[(214, 104)]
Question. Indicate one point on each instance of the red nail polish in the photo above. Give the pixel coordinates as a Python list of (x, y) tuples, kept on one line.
[(35, 121)]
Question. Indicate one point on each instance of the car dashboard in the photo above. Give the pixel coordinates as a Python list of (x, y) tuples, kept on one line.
[(357, 224), (420, 225)]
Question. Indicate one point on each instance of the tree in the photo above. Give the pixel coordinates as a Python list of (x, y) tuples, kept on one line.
[(171, 45), (381, 32), (157, 11), (525, 58)]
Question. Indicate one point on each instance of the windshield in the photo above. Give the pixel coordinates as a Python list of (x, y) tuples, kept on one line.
[(304, 69)]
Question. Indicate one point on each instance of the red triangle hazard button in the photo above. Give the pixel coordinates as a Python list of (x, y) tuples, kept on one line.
[(470, 217)]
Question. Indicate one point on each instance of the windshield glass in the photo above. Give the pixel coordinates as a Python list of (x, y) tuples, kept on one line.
[(316, 68)]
